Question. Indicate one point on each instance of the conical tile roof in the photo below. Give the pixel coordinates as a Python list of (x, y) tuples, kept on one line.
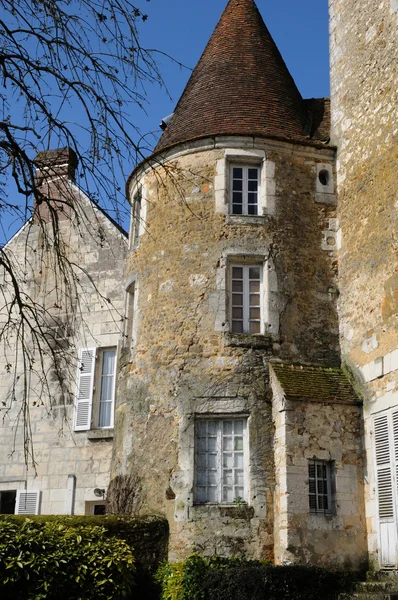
[(241, 85)]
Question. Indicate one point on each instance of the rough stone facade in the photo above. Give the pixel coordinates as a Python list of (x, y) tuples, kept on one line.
[(364, 96), (185, 363), (69, 464)]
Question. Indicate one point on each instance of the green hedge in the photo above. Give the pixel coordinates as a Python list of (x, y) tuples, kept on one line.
[(234, 579), (53, 561), (147, 537)]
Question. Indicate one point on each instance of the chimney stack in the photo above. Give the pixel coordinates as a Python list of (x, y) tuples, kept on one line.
[(55, 169)]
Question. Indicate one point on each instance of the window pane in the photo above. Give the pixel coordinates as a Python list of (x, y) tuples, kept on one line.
[(105, 414), (237, 285), (255, 327), (254, 286), (237, 313), (238, 427), (212, 494), (237, 198), (252, 209), (237, 209), (252, 185), (238, 477), (228, 461), (254, 313), (254, 299), (239, 492), (237, 185), (212, 427), (253, 173), (227, 427), (228, 477), (237, 173), (237, 327), (228, 494), (212, 477), (228, 443), (238, 443), (212, 444), (201, 477), (237, 272), (237, 299), (254, 273), (238, 460), (252, 198)]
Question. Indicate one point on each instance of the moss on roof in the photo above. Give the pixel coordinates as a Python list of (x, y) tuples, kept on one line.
[(319, 384)]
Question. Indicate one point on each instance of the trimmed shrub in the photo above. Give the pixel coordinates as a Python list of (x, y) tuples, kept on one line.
[(235, 579), (52, 561), (146, 536)]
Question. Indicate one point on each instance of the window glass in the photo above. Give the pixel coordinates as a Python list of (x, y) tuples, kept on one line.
[(244, 190), (219, 460), (319, 486), (107, 385)]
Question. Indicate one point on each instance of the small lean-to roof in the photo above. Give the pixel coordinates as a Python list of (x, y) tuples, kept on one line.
[(241, 86), (317, 384)]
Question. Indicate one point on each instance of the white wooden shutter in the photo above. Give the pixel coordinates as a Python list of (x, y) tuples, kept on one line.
[(27, 502), (84, 389), (385, 488)]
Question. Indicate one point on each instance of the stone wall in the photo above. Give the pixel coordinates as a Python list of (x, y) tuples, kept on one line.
[(184, 361), (89, 316), (364, 90), (330, 432)]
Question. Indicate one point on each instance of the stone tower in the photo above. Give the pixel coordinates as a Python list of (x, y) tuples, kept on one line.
[(232, 267), (364, 95)]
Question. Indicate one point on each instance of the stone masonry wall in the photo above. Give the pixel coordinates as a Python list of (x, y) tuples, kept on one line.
[(329, 432), (99, 248), (364, 95), (184, 361)]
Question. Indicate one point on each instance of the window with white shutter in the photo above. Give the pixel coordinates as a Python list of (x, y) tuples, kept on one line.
[(27, 502), (386, 465), (84, 389)]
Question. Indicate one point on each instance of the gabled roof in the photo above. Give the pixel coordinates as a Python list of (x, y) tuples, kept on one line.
[(313, 383), (241, 86)]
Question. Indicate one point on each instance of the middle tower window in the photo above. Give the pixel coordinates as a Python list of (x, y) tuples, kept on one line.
[(246, 298), (245, 183)]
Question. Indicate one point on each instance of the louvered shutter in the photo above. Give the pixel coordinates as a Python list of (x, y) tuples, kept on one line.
[(385, 487), (84, 389), (27, 502)]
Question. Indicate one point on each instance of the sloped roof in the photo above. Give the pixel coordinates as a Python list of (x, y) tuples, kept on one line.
[(319, 384), (241, 86)]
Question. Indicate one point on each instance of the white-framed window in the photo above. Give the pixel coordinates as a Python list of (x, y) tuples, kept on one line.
[(95, 389), (27, 502), (8, 502), (244, 189), (246, 298), (221, 460), (320, 486)]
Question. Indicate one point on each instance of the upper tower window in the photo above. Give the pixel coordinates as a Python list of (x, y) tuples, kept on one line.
[(135, 230), (245, 184)]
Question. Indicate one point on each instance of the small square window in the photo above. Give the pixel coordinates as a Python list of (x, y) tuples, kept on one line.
[(246, 299), (220, 461), (320, 486), (244, 190)]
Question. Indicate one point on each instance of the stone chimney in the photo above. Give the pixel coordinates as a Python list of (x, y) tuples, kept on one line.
[(55, 169), (55, 163)]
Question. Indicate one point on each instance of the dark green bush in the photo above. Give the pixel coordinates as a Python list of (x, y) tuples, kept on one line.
[(146, 536), (52, 561), (235, 579)]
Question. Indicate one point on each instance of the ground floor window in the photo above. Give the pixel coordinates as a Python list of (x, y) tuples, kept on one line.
[(220, 460), (320, 486), (7, 502)]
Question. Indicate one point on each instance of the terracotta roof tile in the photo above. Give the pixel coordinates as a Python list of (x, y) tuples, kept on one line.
[(319, 384), (241, 86)]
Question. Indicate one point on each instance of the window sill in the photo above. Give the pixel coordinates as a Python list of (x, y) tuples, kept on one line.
[(246, 220), (223, 511), (244, 340), (100, 434)]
